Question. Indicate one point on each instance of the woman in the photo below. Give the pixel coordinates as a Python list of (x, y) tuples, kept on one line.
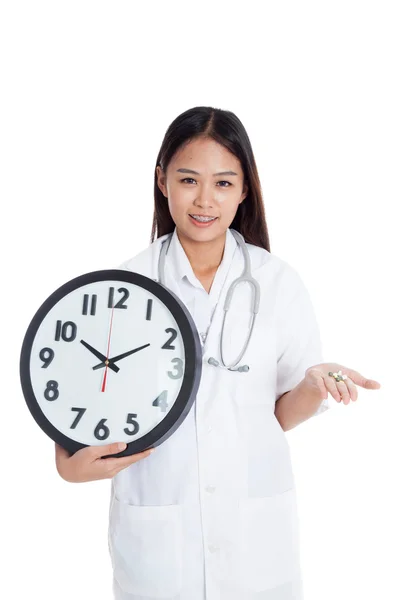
[(212, 513)]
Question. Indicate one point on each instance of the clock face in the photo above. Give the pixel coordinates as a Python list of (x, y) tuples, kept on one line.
[(111, 356)]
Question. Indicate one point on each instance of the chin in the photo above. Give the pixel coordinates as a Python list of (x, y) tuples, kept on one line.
[(204, 234)]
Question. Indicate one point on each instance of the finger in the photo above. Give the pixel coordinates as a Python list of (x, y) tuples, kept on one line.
[(117, 464), (99, 451), (353, 393), (343, 391), (331, 386), (359, 379), (371, 384)]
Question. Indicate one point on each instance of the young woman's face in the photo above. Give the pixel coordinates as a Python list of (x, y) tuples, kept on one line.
[(203, 178)]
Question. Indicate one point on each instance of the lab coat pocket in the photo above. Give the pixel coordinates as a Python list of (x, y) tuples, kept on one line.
[(146, 548), (269, 541), (265, 446)]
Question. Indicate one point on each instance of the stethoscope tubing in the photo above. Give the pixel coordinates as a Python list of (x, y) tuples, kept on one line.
[(245, 277)]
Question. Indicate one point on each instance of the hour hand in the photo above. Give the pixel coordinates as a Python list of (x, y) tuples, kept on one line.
[(120, 357), (100, 357)]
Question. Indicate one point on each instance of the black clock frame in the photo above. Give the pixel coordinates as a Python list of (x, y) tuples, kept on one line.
[(192, 348)]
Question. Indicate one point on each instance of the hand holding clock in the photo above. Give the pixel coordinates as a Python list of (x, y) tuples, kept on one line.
[(87, 464)]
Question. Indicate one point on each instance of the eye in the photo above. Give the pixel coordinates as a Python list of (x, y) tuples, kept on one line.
[(191, 179), (228, 182)]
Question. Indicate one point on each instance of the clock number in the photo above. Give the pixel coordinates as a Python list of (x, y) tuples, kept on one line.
[(63, 333), (120, 303), (100, 427), (92, 304), (149, 309), (131, 420), (167, 345), (178, 367), (161, 401), (80, 412), (46, 355), (51, 392)]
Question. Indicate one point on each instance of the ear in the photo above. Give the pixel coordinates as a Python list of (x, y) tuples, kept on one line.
[(161, 177)]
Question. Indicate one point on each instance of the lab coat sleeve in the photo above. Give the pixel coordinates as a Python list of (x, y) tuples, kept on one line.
[(124, 266), (298, 337)]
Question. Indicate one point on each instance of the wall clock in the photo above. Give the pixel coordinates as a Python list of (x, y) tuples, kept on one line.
[(111, 356)]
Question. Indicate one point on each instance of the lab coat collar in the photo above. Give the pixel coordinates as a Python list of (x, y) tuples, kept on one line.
[(146, 261), (232, 264)]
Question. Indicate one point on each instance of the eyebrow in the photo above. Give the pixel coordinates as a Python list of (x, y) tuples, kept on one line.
[(196, 173)]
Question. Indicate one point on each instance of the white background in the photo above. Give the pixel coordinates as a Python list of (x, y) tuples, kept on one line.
[(87, 92)]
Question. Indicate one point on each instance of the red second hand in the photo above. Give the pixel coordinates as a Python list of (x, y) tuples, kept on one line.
[(103, 387)]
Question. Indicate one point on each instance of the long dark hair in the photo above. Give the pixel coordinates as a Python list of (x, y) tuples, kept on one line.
[(225, 128)]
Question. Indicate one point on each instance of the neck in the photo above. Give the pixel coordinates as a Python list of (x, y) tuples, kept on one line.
[(204, 257)]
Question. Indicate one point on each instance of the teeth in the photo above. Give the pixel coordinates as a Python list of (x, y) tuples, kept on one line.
[(203, 219)]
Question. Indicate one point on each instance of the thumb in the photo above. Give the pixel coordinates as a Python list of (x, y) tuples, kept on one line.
[(371, 384), (98, 451), (60, 452)]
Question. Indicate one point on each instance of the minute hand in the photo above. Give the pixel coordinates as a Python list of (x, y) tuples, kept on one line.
[(121, 356)]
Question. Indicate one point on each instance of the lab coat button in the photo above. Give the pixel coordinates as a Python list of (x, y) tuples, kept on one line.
[(209, 428), (210, 489), (212, 548)]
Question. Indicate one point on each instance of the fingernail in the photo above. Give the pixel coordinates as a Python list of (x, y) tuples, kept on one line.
[(121, 446)]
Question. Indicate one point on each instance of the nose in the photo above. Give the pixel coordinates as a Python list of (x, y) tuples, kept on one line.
[(205, 197)]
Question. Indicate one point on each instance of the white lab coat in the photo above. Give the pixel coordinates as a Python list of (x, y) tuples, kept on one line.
[(212, 513)]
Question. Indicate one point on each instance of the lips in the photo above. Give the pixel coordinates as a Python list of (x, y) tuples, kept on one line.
[(200, 223), (203, 219), (202, 216)]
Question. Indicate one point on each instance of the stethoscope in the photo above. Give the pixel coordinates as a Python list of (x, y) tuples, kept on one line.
[(245, 276)]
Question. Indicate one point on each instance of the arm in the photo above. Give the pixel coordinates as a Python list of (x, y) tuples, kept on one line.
[(296, 406), (310, 396), (298, 348)]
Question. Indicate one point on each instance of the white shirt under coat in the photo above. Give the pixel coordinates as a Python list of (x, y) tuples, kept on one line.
[(212, 513)]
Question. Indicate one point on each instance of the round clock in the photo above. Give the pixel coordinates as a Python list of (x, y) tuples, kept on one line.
[(111, 356)]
